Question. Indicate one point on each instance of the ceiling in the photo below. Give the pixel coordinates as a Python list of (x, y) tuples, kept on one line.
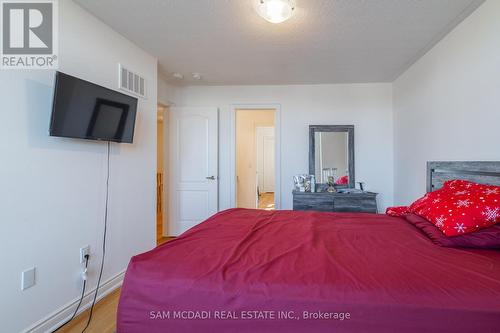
[(326, 41)]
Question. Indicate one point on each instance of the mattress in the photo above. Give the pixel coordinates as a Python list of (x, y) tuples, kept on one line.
[(269, 271)]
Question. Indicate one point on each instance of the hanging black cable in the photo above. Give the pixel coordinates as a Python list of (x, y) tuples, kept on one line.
[(103, 240), (81, 298)]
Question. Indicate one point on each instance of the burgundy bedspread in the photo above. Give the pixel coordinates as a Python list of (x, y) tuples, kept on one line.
[(288, 271)]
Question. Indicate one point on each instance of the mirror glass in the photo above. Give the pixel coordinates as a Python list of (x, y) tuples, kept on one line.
[(331, 157)]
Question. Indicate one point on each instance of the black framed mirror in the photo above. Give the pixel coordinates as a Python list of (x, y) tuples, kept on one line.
[(331, 154)]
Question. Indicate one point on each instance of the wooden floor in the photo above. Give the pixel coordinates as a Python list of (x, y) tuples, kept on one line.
[(160, 239), (103, 319), (266, 201), (159, 227)]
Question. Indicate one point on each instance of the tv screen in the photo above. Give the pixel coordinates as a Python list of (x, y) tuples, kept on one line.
[(85, 110)]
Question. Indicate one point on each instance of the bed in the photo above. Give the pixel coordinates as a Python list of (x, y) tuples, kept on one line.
[(262, 271)]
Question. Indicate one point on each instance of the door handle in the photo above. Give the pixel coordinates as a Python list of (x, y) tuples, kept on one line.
[(210, 178)]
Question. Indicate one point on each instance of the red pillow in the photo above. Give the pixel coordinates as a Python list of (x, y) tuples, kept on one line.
[(344, 180), (459, 207), (398, 211), (488, 238)]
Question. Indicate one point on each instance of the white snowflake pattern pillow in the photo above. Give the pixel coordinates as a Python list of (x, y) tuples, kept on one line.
[(460, 207)]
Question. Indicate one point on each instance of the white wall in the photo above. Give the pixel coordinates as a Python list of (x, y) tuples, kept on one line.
[(367, 106), (447, 105), (166, 91), (52, 189)]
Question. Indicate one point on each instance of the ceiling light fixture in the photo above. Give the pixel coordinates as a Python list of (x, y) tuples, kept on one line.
[(276, 11)]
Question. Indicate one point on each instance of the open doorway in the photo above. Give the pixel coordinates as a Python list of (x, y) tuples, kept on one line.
[(255, 158), (161, 173)]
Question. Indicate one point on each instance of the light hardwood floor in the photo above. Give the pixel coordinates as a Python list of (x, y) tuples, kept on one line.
[(160, 239), (266, 201), (103, 319)]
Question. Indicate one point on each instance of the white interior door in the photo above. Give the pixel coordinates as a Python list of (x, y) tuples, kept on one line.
[(193, 166), (265, 158)]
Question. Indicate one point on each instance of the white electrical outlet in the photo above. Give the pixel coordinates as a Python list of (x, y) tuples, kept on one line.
[(28, 278), (83, 252)]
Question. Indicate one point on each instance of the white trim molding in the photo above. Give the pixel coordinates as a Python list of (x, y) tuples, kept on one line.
[(52, 321), (277, 124)]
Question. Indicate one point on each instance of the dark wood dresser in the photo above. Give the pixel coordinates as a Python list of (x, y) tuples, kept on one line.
[(361, 202)]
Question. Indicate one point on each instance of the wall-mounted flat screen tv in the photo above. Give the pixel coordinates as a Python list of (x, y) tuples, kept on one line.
[(84, 110)]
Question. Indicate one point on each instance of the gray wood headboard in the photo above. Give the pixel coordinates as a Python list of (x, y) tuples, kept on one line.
[(478, 172)]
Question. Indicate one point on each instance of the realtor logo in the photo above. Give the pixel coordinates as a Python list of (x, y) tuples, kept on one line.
[(29, 34)]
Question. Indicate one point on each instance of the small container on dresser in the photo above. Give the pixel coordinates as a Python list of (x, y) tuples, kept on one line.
[(361, 202)]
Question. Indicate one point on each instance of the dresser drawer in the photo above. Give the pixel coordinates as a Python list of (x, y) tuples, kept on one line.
[(318, 203), (355, 204), (365, 202)]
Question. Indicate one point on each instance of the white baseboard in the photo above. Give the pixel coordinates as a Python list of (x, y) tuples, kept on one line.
[(53, 320)]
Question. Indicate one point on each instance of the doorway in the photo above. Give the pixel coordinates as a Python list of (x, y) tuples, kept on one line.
[(265, 148), (161, 173), (255, 136)]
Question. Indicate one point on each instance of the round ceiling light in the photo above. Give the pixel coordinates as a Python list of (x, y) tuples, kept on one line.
[(276, 11)]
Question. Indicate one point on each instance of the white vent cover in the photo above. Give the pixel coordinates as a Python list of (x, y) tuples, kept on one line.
[(131, 82)]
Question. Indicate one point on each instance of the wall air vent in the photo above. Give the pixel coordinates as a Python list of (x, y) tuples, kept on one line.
[(131, 82)]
